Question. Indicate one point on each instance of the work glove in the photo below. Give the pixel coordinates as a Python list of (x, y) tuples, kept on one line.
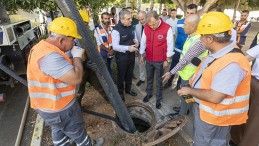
[(77, 52), (91, 65)]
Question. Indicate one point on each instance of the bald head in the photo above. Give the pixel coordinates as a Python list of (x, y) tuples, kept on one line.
[(142, 17), (191, 23)]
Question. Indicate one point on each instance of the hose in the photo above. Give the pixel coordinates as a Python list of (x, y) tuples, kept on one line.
[(69, 9)]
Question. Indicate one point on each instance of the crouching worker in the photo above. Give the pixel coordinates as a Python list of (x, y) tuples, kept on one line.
[(52, 79)]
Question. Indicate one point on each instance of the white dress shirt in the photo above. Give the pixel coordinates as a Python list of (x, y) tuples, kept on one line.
[(169, 38), (172, 23), (254, 52), (116, 42)]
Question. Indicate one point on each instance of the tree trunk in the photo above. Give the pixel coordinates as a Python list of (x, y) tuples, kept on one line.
[(96, 19), (4, 17), (235, 10), (138, 5), (178, 4), (52, 15), (206, 7), (152, 4), (160, 7)]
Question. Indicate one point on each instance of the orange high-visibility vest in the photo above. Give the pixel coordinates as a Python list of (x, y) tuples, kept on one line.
[(107, 40), (233, 109), (45, 92)]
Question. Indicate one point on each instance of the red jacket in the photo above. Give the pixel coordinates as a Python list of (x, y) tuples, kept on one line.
[(156, 43)]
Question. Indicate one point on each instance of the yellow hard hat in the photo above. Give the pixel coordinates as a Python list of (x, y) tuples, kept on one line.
[(84, 16), (214, 23), (64, 26)]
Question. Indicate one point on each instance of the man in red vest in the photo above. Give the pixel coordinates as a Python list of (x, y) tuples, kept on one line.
[(157, 48)]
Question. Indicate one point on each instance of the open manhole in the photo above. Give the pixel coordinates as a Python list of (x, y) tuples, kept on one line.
[(142, 116), (145, 121)]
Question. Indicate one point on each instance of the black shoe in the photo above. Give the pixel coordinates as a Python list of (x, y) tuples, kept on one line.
[(122, 96), (147, 98), (173, 115), (139, 82), (131, 92), (167, 85), (176, 109), (158, 104)]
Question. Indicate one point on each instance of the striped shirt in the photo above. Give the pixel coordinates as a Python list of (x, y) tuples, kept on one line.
[(194, 51)]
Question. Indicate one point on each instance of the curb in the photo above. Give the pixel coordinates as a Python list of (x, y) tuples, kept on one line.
[(37, 132)]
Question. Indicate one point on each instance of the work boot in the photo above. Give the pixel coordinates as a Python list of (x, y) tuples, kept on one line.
[(98, 142), (147, 98), (158, 104)]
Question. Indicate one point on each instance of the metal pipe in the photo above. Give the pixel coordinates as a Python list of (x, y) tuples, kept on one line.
[(20, 29), (12, 74), (69, 9)]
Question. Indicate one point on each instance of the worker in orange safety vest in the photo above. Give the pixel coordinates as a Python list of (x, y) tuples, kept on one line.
[(220, 85)]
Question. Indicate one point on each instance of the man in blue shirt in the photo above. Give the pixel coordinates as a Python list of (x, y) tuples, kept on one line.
[(180, 40)]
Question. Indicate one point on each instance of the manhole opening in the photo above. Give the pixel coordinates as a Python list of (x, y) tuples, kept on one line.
[(141, 125), (142, 116)]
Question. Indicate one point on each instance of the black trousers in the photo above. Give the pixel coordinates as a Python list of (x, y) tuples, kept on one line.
[(125, 65)]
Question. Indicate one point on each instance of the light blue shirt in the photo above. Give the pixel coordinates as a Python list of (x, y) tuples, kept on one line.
[(227, 79)]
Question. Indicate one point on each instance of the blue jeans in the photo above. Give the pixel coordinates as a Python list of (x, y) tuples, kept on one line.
[(67, 124), (108, 62)]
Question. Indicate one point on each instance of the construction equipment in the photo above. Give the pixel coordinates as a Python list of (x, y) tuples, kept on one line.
[(16, 40)]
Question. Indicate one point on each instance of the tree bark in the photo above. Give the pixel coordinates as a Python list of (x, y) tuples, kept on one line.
[(152, 4), (206, 7), (138, 5), (179, 3), (160, 7), (4, 17), (235, 10)]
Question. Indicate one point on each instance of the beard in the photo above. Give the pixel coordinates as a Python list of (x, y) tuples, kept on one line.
[(106, 23)]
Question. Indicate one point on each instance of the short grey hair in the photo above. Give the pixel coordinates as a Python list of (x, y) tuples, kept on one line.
[(142, 12), (55, 35), (124, 12), (152, 14), (223, 37)]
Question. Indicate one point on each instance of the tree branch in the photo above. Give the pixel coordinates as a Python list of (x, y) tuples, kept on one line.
[(178, 4), (206, 7)]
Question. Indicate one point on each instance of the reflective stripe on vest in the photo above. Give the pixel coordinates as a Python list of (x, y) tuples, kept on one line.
[(224, 112), (233, 109), (189, 69), (107, 40), (45, 92)]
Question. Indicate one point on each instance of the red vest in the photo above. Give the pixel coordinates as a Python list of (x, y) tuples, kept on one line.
[(156, 44)]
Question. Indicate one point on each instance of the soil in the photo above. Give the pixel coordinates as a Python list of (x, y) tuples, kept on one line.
[(99, 127)]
